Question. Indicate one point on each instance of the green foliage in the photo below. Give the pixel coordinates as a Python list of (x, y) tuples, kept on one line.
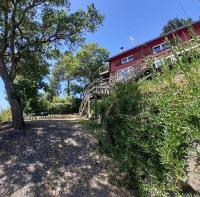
[(30, 81), (90, 58), (175, 23), (57, 105), (36, 105), (5, 116), (30, 34), (63, 105), (148, 127), (65, 70), (77, 70)]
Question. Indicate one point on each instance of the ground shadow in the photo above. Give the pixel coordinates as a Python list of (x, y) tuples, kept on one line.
[(53, 158)]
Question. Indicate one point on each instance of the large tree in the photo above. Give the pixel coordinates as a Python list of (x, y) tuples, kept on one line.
[(35, 27), (91, 57), (175, 23), (78, 70), (64, 71)]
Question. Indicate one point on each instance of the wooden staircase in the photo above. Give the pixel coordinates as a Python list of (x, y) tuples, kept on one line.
[(103, 87), (98, 88)]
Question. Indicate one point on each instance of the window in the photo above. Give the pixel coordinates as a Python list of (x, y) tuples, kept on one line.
[(130, 58), (125, 73), (165, 46), (122, 73), (161, 47), (127, 59), (124, 61), (157, 49)]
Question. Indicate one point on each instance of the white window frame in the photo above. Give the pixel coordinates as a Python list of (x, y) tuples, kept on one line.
[(156, 47), (164, 44), (126, 59), (161, 47)]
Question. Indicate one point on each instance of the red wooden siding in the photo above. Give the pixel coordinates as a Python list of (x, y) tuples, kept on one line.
[(145, 49)]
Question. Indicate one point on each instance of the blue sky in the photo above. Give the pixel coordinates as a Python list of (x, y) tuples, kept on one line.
[(141, 19)]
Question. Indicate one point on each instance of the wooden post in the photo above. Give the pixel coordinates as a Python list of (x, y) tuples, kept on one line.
[(89, 110)]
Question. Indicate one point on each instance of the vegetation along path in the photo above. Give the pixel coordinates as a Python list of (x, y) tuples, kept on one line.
[(54, 158)]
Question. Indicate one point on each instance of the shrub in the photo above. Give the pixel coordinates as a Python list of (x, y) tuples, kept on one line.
[(58, 105), (64, 105), (5, 115)]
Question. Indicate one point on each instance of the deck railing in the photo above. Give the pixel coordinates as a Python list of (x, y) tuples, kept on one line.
[(139, 68), (52, 117), (99, 87), (104, 69)]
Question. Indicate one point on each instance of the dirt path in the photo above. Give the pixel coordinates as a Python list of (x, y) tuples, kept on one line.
[(55, 158)]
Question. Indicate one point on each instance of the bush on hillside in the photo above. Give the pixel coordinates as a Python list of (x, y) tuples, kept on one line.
[(149, 127)]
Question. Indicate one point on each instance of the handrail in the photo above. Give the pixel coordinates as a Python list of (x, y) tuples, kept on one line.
[(104, 68), (133, 73), (97, 80), (83, 105), (92, 87), (93, 84)]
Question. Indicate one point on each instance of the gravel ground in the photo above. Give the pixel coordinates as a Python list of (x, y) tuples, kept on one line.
[(54, 158)]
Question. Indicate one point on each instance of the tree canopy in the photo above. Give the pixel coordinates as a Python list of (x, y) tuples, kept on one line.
[(31, 29), (90, 58), (78, 70), (175, 23)]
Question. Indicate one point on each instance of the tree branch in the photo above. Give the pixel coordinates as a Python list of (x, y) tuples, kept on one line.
[(6, 28), (34, 4), (12, 44)]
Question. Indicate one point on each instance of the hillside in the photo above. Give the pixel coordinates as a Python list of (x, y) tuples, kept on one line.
[(151, 129)]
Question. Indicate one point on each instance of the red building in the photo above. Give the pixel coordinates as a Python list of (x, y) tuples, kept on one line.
[(132, 61)]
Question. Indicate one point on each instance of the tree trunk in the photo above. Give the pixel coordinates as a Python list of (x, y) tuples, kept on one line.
[(68, 87), (15, 104), (17, 115)]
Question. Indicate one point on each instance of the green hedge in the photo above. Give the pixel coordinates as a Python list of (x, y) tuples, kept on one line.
[(58, 105)]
